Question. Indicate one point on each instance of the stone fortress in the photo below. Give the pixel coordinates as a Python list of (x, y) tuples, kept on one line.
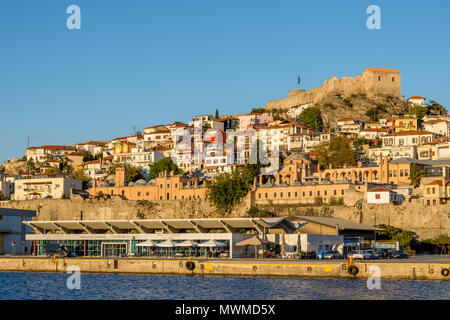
[(373, 81)]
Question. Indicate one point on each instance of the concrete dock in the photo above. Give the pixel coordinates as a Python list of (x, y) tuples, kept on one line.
[(411, 269)]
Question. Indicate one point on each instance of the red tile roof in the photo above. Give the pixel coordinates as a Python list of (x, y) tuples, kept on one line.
[(408, 133), (383, 70)]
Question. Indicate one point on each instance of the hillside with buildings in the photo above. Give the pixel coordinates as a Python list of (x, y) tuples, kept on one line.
[(368, 155)]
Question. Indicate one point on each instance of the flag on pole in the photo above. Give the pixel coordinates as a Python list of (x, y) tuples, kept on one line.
[(298, 80)]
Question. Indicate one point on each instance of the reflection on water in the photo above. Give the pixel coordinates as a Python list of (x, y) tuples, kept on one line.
[(113, 286)]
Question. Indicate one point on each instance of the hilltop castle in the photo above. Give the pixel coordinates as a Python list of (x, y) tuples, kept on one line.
[(371, 82)]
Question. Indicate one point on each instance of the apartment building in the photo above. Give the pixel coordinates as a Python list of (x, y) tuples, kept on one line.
[(45, 186)]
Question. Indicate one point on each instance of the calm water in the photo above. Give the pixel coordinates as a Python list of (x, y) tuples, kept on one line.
[(106, 286)]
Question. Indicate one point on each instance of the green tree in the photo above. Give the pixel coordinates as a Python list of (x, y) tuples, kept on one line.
[(64, 166), (337, 152), (87, 156), (418, 111), (313, 117), (415, 176), (79, 175), (217, 114), (373, 114), (404, 237), (164, 164), (258, 110), (30, 165), (437, 107), (229, 188), (133, 173)]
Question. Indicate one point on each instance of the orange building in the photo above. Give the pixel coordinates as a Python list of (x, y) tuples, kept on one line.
[(165, 187)]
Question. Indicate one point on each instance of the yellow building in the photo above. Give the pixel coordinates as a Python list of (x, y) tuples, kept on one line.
[(404, 123)]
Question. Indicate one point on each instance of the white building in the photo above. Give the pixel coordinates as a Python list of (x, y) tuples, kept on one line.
[(439, 127), (39, 154), (407, 138), (47, 186), (381, 196), (373, 133), (392, 153), (417, 101)]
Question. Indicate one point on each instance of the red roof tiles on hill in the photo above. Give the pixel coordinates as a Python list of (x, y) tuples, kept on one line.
[(383, 70)]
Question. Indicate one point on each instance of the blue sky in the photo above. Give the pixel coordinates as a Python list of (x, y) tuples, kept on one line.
[(146, 62)]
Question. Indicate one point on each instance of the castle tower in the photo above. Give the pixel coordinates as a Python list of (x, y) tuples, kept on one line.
[(121, 177)]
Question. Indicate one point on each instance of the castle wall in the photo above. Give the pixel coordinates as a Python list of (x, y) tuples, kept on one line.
[(370, 82)]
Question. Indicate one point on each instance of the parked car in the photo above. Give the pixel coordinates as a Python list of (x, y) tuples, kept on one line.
[(399, 254), (359, 254), (385, 253), (332, 255), (59, 250), (373, 254)]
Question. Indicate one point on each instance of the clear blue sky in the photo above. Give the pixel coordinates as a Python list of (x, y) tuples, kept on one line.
[(145, 62)]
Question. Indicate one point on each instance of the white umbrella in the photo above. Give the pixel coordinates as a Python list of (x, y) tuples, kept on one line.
[(212, 243), (166, 244), (148, 243), (187, 243)]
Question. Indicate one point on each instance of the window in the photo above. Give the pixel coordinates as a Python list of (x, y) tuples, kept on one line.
[(395, 173), (161, 186), (289, 194), (377, 196), (428, 190), (406, 172), (259, 195), (393, 79), (147, 193), (160, 197), (342, 192), (275, 195), (176, 185), (168, 185), (266, 195), (334, 192), (318, 192), (379, 78), (434, 202), (139, 194), (428, 202), (281, 194), (310, 193), (434, 191), (401, 173), (296, 194), (303, 193), (325, 192), (390, 173)]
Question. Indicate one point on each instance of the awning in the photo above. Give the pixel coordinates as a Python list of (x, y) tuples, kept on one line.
[(148, 243), (212, 243), (187, 243), (253, 241), (166, 244)]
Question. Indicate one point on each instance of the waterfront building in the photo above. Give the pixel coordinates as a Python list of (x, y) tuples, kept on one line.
[(122, 237), (13, 231)]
